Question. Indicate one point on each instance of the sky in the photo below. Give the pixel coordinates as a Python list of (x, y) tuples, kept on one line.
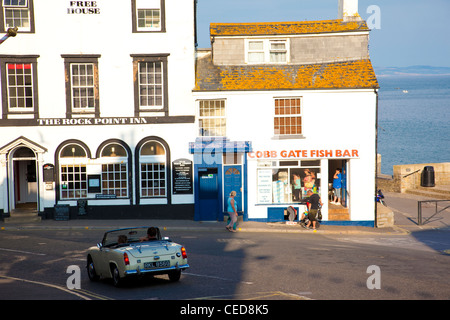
[(405, 32)]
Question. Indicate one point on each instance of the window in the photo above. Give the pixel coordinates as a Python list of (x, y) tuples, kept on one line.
[(17, 13), (267, 51), (20, 86), (212, 121), (148, 15), (150, 85), (288, 119), (153, 170), (19, 76), (114, 170), (287, 181), (73, 176), (82, 94), (150, 74)]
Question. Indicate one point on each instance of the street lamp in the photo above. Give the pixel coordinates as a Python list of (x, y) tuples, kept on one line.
[(11, 32)]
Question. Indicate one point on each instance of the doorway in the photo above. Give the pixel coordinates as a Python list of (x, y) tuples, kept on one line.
[(332, 166), (25, 184)]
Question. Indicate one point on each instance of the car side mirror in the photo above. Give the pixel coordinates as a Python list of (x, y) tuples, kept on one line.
[(99, 245)]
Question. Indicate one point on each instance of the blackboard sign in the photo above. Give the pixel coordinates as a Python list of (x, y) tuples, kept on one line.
[(61, 212), (182, 176)]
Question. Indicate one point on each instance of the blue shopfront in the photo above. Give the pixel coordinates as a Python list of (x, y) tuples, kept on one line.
[(220, 166)]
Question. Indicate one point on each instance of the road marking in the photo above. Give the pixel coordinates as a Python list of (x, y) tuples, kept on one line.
[(20, 251), (48, 285), (214, 277)]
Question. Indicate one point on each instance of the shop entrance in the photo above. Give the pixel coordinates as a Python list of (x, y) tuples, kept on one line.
[(332, 166), (340, 211), (233, 182)]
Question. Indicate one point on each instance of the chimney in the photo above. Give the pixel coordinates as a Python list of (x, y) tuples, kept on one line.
[(348, 10)]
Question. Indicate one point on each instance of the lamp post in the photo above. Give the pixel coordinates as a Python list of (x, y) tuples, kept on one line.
[(11, 32)]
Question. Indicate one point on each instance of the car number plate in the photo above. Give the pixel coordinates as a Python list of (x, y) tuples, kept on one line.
[(157, 264)]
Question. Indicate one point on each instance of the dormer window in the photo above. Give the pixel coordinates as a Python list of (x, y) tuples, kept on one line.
[(266, 51)]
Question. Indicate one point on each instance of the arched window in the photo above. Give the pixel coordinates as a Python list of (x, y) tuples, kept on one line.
[(152, 162), (73, 177), (114, 170)]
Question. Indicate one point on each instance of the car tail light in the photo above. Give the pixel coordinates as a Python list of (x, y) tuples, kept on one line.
[(183, 253), (125, 259)]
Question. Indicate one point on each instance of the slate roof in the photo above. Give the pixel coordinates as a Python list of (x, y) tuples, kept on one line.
[(357, 74), (286, 28)]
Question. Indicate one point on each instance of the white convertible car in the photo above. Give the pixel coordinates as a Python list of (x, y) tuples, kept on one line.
[(128, 252)]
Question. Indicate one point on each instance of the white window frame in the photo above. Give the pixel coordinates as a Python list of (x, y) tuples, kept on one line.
[(86, 87), (14, 7), (288, 115), (121, 179), (21, 88), (267, 50), (222, 130), (151, 83), (144, 5), (153, 160)]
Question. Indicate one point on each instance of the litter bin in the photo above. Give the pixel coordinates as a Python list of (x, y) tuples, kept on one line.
[(427, 177)]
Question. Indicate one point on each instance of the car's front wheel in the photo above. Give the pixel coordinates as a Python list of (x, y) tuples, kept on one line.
[(117, 281), (92, 274)]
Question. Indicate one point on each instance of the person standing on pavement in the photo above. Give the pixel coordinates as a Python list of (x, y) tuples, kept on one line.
[(313, 203), (231, 208)]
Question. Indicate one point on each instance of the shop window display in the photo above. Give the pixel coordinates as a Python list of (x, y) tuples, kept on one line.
[(287, 181)]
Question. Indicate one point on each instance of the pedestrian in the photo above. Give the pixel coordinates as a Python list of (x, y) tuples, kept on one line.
[(231, 208), (337, 185), (313, 204)]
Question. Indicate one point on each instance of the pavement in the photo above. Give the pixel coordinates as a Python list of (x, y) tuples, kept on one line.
[(404, 207)]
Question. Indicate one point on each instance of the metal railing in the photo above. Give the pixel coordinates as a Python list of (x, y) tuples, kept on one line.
[(419, 210)]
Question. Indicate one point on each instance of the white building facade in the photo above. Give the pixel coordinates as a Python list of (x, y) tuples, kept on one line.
[(97, 107), (107, 118), (280, 107)]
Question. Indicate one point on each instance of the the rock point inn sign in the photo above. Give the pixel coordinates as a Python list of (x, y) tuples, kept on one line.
[(93, 121)]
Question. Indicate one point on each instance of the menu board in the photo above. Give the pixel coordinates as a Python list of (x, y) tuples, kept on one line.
[(182, 176), (265, 186)]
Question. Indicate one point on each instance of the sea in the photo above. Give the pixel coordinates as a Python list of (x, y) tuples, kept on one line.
[(413, 120)]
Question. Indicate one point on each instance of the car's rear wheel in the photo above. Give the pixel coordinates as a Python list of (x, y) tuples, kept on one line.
[(92, 274), (174, 275)]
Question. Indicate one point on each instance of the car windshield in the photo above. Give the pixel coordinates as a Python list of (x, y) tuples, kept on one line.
[(126, 235)]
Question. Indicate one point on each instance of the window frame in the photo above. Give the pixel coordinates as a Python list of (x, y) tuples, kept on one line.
[(134, 14), (150, 58), (69, 61), (286, 116), (267, 50), (111, 162), (150, 161), (201, 128), (74, 162), (30, 7), (26, 113)]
